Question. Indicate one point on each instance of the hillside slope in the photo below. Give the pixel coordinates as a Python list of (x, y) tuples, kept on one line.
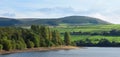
[(70, 20), (8, 21), (82, 20)]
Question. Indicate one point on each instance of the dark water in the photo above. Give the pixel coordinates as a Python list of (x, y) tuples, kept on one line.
[(82, 52)]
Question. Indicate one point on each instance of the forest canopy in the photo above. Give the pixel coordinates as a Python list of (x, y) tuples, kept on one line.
[(16, 38)]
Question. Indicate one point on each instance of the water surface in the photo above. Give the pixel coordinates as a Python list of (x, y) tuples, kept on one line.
[(82, 52)]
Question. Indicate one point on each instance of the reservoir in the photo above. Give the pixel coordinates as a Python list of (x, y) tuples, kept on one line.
[(81, 52)]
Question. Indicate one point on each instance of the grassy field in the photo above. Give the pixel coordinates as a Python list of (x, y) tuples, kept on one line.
[(91, 28), (94, 39)]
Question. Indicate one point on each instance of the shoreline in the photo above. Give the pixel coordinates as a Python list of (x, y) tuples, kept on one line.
[(39, 49)]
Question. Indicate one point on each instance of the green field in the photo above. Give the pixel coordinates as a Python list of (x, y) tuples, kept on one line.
[(94, 38), (91, 28)]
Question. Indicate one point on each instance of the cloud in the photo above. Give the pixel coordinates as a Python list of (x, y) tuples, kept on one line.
[(55, 12), (59, 10), (8, 14), (107, 10), (113, 19)]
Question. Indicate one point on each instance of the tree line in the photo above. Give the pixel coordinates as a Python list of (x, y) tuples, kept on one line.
[(101, 43), (113, 32), (37, 36)]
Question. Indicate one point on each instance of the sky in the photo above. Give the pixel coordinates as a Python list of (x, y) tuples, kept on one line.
[(108, 10)]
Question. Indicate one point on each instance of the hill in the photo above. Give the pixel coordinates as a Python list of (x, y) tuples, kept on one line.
[(69, 20), (82, 20), (8, 21)]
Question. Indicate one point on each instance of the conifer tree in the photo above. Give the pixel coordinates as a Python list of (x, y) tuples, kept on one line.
[(1, 47), (7, 45), (30, 44), (67, 38)]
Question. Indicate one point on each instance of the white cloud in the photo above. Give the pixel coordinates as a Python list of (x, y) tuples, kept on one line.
[(107, 10), (113, 19)]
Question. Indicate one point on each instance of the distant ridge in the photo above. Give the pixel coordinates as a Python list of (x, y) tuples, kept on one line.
[(70, 20), (9, 21), (83, 20)]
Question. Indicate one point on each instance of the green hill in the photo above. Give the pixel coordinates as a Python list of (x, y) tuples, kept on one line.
[(82, 20), (69, 20), (8, 21)]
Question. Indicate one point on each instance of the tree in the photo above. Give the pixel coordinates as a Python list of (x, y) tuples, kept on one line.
[(34, 38), (36, 41), (104, 43), (20, 45), (50, 34), (54, 39), (13, 44), (1, 46), (35, 28), (43, 42), (67, 38), (44, 32), (30, 44), (7, 45), (13, 38)]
